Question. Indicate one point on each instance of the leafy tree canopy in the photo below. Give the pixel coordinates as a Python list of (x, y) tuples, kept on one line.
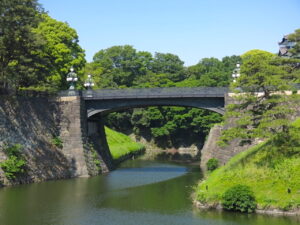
[(295, 37), (62, 49), (210, 72), (120, 65), (124, 66), (262, 106), (36, 51), (19, 46)]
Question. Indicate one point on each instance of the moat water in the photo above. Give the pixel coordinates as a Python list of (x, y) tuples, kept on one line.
[(138, 193)]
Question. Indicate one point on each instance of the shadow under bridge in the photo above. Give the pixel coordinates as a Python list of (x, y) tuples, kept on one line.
[(108, 100)]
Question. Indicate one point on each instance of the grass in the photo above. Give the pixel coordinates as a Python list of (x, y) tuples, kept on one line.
[(297, 123), (272, 173), (120, 144)]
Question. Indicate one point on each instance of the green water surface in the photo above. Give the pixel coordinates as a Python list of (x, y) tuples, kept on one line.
[(138, 193)]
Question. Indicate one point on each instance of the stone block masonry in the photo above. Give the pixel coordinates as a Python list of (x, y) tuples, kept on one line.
[(34, 123), (73, 133), (211, 149)]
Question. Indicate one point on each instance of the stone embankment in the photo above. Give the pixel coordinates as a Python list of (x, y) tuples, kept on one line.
[(211, 149), (35, 123), (269, 211)]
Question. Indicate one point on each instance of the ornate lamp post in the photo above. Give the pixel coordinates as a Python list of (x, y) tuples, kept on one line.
[(236, 72), (72, 78), (89, 84)]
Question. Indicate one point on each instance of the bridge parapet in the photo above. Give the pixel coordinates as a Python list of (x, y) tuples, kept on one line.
[(173, 92)]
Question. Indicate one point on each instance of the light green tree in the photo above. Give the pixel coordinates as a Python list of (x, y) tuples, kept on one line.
[(62, 49)]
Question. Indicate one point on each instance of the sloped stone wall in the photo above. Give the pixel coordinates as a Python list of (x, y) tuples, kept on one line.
[(33, 123), (211, 149), (223, 154)]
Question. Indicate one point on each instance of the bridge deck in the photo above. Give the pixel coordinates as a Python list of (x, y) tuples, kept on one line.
[(139, 93)]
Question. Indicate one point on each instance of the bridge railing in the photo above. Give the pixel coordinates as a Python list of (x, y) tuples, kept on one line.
[(170, 92), (174, 92)]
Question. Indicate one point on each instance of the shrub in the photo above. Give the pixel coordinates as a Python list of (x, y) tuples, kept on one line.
[(212, 164), (95, 156), (239, 198), (57, 142), (13, 150), (13, 166), (15, 163)]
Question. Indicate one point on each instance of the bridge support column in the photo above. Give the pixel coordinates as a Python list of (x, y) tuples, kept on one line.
[(73, 133)]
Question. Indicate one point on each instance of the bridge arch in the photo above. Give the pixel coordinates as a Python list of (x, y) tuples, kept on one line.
[(105, 101), (103, 108)]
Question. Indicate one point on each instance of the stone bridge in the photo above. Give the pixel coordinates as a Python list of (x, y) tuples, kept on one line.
[(84, 110), (105, 101)]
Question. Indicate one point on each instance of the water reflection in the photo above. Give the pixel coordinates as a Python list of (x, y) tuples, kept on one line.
[(137, 193)]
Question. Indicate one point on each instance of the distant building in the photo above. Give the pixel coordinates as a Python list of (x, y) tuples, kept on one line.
[(284, 47)]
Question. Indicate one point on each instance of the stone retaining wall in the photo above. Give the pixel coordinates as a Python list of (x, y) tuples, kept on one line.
[(33, 123), (211, 149)]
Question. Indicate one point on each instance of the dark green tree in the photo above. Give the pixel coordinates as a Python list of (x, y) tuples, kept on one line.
[(19, 46), (210, 72), (263, 108), (169, 64), (121, 65)]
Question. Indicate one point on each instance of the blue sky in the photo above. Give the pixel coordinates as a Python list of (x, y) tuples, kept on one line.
[(191, 29)]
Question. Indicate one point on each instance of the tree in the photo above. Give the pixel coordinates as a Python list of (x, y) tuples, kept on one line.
[(210, 72), (19, 46), (124, 66), (169, 64), (295, 37), (121, 65), (62, 50), (262, 107)]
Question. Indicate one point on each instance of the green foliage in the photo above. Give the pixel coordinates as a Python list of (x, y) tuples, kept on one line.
[(95, 156), (20, 47), (169, 126), (120, 144), (96, 159), (13, 150), (210, 72), (168, 64), (119, 66), (57, 142), (62, 49), (36, 51), (239, 198), (269, 169), (295, 37), (124, 66), (265, 114), (14, 165), (212, 164)]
